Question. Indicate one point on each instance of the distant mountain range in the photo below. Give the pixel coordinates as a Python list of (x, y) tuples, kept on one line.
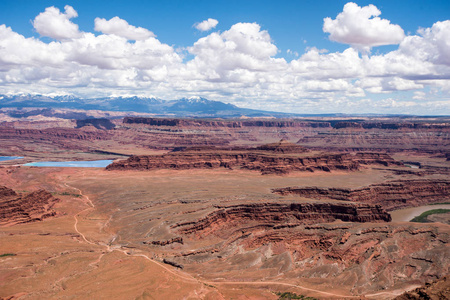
[(185, 107), (193, 107)]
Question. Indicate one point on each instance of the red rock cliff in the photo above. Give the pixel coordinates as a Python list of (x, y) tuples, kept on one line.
[(272, 158), (391, 195), (281, 214), (35, 206)]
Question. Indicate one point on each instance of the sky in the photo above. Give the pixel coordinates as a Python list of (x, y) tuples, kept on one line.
[(322, 56)]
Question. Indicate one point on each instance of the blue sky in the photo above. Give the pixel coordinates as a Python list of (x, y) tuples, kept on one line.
[(281, 57)]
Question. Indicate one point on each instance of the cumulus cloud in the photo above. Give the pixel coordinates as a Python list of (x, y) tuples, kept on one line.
[(235, 54), (56, 25), (120, 27), (362, 28), (419, 95), (239, 63), (206, 24), (434, 45)]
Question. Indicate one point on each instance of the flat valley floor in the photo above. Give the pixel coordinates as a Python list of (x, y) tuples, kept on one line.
[(218, 233)]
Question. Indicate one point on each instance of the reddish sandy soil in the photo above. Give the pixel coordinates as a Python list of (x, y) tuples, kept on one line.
[(212, 233), (95, 248)]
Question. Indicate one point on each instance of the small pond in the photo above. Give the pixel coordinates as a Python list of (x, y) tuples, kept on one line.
[(71, 164)]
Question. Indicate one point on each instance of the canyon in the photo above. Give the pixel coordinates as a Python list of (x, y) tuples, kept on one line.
[(390, 195), (238, 208), (278, 158), (276, 215)]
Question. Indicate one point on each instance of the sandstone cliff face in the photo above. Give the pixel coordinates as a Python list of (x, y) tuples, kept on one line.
[(391, 195), (52, 134), (271, 240), (391, 125), (279, 214), (6, 192), (269, 159), (355, 138), (224, 123), (16, 209), (104, 124)]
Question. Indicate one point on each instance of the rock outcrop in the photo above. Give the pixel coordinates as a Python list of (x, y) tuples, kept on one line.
[(391, 125), (393, 138), (224, 123), (361, 257), (278, 158), (436, 290), (165, 242), (16, 209), (104, 124), (391, 195), (53, 134), (277, 215)]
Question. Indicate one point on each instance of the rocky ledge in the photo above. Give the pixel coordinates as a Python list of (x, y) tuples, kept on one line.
[(278, 158), (277, 215), (16, 209), (390, 195), (362, 257), (224, 123), (436, 290)]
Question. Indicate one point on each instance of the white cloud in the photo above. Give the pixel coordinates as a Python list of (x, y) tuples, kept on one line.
[(362, 28), (54, 24), (419, 95), (120, 27), (238, 63), (206, 24), (230, 56), (433, 44), (319, 65)]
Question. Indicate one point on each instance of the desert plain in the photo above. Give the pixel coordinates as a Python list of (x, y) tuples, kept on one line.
[(224, 209)]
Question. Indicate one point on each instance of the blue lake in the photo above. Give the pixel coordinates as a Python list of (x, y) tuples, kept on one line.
[(3, 158), (71, 164)]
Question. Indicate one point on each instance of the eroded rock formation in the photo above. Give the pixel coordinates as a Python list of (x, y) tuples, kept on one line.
[(391, 195), (391, 125), (278, 158), (277, 215), (103, 124), (362, 257), (224, 123), (387, 138), (35, 206), (436, 290)]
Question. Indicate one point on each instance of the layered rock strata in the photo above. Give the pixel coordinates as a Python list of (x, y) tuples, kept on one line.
[(104, 124), (391, 125), (423, 140), (224, 123), (16, 209), (277, 215), (269, 159), (391, 195), (361, 257)]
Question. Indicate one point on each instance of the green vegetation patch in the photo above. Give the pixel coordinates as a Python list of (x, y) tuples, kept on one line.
[(290, 295), (67, 194), (7, 254), (423, 217)]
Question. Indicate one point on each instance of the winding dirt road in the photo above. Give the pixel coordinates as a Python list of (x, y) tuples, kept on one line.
[(189, 278)]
